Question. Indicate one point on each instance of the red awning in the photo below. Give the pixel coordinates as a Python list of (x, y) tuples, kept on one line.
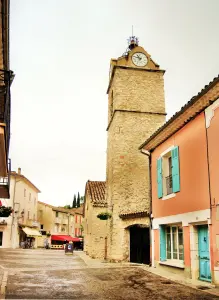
[(65, 238)]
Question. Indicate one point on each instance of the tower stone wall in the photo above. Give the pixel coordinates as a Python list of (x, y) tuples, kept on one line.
[(136, 110)]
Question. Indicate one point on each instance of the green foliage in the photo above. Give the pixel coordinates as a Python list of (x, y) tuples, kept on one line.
[(78, 200), (67, 206), (5, 211), (104, 216)]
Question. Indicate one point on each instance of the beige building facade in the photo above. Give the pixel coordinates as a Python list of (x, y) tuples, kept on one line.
[(95, 230), (58, 221), (22, 224)]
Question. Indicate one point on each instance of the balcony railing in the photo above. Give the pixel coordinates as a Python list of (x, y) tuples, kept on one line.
[(169, 184), (5, 183), (6, 78)]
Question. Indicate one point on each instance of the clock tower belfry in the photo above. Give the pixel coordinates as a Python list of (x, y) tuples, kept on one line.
[(136, 108)]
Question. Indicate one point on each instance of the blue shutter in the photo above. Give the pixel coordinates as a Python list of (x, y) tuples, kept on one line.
[(159, 178), (175, 169), (163, 252)]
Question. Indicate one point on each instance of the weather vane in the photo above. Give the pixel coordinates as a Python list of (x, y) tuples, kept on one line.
[(132, 41)]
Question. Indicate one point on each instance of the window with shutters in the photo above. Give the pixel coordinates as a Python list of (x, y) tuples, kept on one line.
[(171, 243), (168, 177)]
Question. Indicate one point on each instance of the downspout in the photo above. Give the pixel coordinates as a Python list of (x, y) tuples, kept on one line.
[(145, 152), (209, 176), (13, 217), (210, 196)]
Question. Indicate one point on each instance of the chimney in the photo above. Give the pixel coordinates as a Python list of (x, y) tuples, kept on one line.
[(19, 171)]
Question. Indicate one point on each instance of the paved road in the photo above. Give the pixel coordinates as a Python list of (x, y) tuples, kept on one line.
[(49, 274)]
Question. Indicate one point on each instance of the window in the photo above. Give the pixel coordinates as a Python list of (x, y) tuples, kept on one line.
[(29, 197), (171, 243), (76, 219), (168, 177), (41, 226), (57, 214)]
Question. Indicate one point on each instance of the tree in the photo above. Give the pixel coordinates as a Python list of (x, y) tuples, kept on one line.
[(67, 206), (78, 200), (74, 203)]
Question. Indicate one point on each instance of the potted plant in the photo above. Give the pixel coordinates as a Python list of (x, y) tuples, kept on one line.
[(104, 216), (5, 211)]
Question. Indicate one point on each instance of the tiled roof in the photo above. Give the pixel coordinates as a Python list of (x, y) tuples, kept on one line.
[(64, 210), (78, 210), (132, 215), (96, 191), (196, 108), (13, 173), (46, 204)]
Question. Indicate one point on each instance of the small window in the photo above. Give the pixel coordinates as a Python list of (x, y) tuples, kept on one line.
[(168, 176), (41, 226), (57, 214)]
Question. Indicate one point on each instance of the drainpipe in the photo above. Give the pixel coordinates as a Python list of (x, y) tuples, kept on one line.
[(209, 176), (13, 223), (145, 152)]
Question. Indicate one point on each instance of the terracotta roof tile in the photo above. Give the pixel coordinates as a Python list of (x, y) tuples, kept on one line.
[(96, 190), (78, 210)]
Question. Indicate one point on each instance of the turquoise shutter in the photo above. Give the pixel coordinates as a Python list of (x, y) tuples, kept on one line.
[(163, 252), (159, 178), (175, 169)]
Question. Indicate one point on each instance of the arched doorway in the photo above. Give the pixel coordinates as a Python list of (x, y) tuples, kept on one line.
[(139, 244)]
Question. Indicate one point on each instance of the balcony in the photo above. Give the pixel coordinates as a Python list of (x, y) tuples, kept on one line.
[(169, 184), (5, 182), (58, 220), (65, 221), (3, 222), (6, 78)]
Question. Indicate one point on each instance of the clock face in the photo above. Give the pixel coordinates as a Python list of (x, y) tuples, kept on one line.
[(139, 59)]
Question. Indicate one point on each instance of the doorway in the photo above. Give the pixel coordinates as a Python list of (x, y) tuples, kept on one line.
[(139, 244), (204, 255)]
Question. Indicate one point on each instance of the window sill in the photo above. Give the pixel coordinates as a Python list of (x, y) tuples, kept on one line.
[(173, 263), (169, 196)]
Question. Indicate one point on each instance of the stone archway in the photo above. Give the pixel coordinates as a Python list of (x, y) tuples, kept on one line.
[(139, 244)]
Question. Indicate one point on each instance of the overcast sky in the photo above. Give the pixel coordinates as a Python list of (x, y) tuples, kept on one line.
[(60, 52)]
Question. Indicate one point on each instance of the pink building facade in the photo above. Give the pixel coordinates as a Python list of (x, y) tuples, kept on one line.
[(184, 156)]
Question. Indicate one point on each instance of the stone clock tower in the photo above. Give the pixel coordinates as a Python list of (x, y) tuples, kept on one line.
[(136, 108)]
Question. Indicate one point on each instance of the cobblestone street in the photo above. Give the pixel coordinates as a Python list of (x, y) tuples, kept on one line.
[(49, 274)]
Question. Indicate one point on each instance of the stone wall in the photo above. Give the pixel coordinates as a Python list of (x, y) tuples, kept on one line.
[(95, 231)]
